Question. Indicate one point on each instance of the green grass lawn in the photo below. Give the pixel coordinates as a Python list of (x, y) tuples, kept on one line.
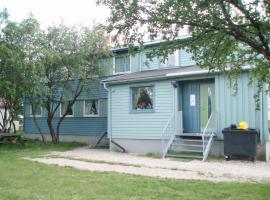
[(21, 179)]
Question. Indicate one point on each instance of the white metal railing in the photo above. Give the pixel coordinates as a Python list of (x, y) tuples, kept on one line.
[(171, 128), (208, 133)]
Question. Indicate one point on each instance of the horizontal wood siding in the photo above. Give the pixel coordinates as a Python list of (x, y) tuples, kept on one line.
[(78, 124), (141, 125), (185, 58), (238, 105), (70, 125)]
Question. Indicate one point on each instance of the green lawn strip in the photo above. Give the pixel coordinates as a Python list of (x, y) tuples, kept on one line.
[(24, 180)]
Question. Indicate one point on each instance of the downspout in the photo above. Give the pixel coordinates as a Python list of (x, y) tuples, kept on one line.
[(109, 123)]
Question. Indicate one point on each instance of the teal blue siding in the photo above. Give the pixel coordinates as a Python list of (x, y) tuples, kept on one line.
[(106, 66), (238, 105), (138, 61), (78, 124), (70, 126), (135, 62), (185, 58), (125, 124)]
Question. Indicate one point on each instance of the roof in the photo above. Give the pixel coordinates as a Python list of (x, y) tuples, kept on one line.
[(156, 74), (149, 43)]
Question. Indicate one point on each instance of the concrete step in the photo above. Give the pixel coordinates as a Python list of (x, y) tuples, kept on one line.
[(184, 156), (186, 145)]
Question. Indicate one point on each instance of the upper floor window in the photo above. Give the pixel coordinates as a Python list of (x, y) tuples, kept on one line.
[(122, 63), (37, 111), (142, 98), (169, 62), (65, 108), (91, 108)]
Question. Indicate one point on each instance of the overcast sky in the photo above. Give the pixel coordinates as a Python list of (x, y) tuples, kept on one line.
[(72, 12)]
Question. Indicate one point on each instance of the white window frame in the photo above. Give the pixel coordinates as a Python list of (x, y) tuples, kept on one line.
[(176, 60), (31, 112), (131, 110), (85, 115), (125, 72), (60, 109)]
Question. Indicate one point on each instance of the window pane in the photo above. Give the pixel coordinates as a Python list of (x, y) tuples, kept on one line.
[(142, 98), (37, 109), (64, 107), (122, 64), (91, 107)]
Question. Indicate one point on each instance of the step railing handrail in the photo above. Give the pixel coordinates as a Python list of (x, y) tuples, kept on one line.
[(208, 135), (168, 134)]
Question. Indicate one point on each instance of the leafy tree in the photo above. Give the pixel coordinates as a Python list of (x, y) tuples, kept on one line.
[(68, 57), (11, 72), (225, 34)]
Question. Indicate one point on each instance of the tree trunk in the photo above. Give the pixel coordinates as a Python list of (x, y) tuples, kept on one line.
[(52, 132), (39, 130)]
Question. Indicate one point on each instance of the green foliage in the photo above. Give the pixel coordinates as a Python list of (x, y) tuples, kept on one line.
[(49, 66), (225, 34), (24, 180)]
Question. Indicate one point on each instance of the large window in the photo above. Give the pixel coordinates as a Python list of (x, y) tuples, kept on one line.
[(63, 108), (38, 111), (142, 98), (122, 64), (91, 108)]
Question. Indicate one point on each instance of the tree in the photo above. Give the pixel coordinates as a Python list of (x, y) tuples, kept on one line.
[(11, 72), (68, 58), (225, 34)]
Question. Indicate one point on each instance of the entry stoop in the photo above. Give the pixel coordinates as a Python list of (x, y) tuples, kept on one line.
[(186, 146)]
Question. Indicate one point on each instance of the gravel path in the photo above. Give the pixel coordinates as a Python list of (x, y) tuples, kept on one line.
[(217, 171)]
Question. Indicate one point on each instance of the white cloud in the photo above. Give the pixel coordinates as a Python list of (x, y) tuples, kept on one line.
[(82, 12)]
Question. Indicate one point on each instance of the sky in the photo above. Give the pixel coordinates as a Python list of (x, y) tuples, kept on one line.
[(71, 12)]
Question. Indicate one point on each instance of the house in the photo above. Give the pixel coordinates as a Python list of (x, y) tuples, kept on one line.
[(86, 121), (177, 106), (152, 106)]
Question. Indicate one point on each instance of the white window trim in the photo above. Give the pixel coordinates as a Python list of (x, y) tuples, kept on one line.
[(31, 115), (85, 115), (131, 110), (125, 72), (60, 109)]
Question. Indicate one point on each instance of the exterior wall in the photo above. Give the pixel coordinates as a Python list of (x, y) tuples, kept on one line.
[(138, 62), (140, 146), (235, 104), (77, 125), (67, 138), (140, 125)]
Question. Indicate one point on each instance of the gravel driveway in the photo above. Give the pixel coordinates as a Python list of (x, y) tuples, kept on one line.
[(105, 161)]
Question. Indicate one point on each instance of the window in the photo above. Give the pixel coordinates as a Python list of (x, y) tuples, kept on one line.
[(38, 111), (122, 64), (64, 107), (142, 98), (169, 62), (91, 108)]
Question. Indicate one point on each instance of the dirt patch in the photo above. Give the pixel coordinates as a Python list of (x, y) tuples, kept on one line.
[(105, 161)]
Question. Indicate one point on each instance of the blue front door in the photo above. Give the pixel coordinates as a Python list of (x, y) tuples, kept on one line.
[(191, 107)]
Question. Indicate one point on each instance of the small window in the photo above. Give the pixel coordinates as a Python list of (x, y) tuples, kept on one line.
[(169, 62), (91, 108), (122, 64), (38, 111), (64, 107), (142, 98)]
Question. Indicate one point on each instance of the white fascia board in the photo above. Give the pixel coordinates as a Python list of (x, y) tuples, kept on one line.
[(187, 73)]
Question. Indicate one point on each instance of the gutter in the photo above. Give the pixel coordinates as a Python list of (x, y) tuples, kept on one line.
[(187, 73)]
